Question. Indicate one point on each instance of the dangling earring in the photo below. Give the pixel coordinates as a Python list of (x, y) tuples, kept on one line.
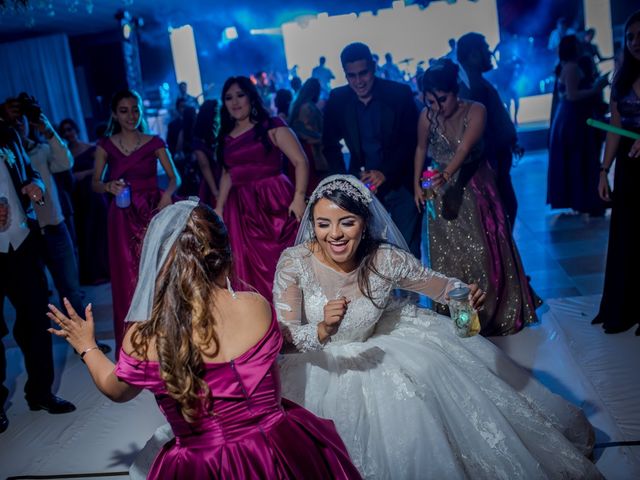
[(234, 295), (254, 111)]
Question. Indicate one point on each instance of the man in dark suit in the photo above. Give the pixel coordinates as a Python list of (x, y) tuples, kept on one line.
[(22, 277), (377, 119), (500, 137)]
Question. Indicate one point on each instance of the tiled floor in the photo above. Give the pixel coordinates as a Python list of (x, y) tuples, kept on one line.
[(564, 253)]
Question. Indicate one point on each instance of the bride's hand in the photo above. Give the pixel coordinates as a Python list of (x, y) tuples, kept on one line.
[(334, 312), (476, 296)]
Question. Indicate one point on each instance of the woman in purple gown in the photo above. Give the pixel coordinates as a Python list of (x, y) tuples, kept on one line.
[(213, 369), (259, 204), (131, 156)]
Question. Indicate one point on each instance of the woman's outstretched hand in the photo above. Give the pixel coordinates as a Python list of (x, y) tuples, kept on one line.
[(74, 329)]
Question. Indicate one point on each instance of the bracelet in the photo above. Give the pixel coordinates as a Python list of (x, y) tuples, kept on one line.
[(604, 169), (446, 175), (84, 352)]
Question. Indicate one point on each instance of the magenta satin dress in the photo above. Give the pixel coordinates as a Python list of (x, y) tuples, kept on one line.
[(253, 432), (127, 226), (256, 211)]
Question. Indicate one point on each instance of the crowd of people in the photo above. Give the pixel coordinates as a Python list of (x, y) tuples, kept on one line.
[(295, 247)]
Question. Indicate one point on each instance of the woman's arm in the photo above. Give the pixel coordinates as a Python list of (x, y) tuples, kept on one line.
[(205, 168), (80, 335), (287, 142), (477, 117), (114, 186), (223, 193), (570, 75), (419, 157), (174, 178)]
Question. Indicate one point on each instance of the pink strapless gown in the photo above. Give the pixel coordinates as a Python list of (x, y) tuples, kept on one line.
[(256, 212), (253, 432), (127, 226)]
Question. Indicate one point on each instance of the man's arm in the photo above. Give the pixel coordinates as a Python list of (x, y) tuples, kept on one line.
[(331, 136)]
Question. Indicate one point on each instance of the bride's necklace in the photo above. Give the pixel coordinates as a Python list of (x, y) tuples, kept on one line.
[(135, 147)]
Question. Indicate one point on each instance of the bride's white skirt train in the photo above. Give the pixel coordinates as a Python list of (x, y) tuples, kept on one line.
[(415, 401)]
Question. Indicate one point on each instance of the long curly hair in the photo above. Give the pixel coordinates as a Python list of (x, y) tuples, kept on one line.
[(258, 115), (182, 323), (366, 253), (629, 66)]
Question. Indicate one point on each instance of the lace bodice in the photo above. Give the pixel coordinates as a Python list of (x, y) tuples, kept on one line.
[(303, 285)]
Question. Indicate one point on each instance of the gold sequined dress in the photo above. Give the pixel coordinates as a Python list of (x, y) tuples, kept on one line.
[(470, 238)]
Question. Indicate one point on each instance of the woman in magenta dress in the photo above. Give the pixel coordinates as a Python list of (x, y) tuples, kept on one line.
[(131, 156), (259, 204), (213, 370)]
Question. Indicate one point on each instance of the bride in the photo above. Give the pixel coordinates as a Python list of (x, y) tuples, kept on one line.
[(409, 398)]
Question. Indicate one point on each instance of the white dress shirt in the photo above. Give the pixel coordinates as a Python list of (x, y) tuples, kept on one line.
[(15, 233)]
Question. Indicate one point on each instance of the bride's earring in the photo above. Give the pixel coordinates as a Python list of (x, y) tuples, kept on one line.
[(230, 288)]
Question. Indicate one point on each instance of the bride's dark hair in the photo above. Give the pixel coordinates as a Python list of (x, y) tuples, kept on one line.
[(183, 306), (368, 247)]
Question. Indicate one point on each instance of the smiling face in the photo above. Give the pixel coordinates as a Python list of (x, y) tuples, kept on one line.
[(441, 103), (128, 114), (632, 39), (237, 102), (338, 233), (360, 77)]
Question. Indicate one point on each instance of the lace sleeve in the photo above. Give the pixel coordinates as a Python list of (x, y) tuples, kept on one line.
[(409, 274), (288, 298)]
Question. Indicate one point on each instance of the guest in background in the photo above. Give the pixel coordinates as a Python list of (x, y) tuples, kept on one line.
[(574, 149), (305, 119), (260, 206), (204, 141), (132, 157), (324, 76), (618, 297), (90, 209), (500, 137), (22, 276), (282, 102)]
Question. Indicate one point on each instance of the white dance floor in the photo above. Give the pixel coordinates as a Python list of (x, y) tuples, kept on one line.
[(574, 359)]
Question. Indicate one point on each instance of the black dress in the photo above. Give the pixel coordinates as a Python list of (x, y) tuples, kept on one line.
[(91, 224), (617, 308), (574, 156)]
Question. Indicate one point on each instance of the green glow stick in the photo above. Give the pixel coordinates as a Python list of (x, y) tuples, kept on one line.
[(613, 129)]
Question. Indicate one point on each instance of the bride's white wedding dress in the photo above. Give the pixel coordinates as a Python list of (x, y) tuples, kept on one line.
[(410, 399)]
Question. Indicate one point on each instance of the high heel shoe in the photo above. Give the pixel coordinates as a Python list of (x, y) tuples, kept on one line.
[(597, 320)]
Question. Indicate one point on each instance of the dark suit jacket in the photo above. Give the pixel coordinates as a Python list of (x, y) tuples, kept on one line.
[(22, 173), (399, 132), (499, 133)]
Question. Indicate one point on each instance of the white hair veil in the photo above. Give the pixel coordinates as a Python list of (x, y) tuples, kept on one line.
[(163, 231)]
